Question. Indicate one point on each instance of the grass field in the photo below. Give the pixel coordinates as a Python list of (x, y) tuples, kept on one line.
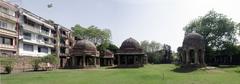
[(150, 74)]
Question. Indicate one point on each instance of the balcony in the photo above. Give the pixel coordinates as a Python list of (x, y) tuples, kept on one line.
[(8, 33), (7, 47), (40, 42), (44, 33), (7, 16), (31, 28), (27, 37)]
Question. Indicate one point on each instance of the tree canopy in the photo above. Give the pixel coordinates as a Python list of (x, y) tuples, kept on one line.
[(92, 33), (217, 29), (219, 33), (113, 48), (150, 46)]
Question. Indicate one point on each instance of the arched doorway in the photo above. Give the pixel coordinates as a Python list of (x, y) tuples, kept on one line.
[(191, 56)]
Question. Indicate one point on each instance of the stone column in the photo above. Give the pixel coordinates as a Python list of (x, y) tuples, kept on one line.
[(73, 61), (126, 60), (112, 62), (187, 56), (109, 62), (119, 60), (196, 61), (95, 61), (104, 61), (84, 61), (134, 59), (142, 61), (203, 57)]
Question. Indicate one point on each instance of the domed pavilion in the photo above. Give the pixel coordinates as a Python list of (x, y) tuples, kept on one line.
[(193, 49), (130, 54), (84, 54), (106, 58)]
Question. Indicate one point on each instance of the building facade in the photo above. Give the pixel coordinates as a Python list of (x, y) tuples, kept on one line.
[(65, 42), (36, 35), (8, 28)]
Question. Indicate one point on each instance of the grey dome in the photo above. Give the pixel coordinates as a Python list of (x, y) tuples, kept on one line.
[(130, 43), (84, 45), (193, 40)]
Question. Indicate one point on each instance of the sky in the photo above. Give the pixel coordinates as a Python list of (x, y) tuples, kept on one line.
[(158, 20)]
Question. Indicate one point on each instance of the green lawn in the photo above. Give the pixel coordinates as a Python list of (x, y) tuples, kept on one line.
[(150, 74)]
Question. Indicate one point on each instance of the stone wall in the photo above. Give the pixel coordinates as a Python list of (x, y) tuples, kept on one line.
[(22, 63)]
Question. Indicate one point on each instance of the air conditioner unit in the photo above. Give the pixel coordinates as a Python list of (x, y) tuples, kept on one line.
[(20, 37)]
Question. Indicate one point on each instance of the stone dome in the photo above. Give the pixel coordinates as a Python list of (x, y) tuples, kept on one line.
[(130, 43), (193, 40), (84, 46), (108, 54)]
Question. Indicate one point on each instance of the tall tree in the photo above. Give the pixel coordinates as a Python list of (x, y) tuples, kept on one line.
[(216, 29), (150, 46), (93, 33), (144, 45)]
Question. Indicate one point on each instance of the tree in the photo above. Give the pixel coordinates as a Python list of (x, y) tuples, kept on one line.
[(113, 48), (219, 33), (238, 26), (150, 46), (167, 54), (216, 29), (93, 34), (145, 45), (153, 50)]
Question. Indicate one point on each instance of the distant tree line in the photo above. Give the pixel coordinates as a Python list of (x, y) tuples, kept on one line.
[(156, 52)]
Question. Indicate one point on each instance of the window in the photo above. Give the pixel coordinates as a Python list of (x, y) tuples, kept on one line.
[(27, 36), (7, 41), (4, 10), (1, 40), (42, 49), (3, 24), (44, 30), (27, 21), (27, 47), (62, 50)]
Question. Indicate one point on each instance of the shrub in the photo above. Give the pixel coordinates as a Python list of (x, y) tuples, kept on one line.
[(8, 69), (35, 64), (7, 63), (52, 59)]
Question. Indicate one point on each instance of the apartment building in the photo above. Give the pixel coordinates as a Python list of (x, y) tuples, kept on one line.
[(36, 35), (8, 28), (24, 33), (65, 42)]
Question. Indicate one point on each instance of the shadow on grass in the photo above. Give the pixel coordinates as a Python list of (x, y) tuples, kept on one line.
[(35, 71), (4, 73), (115, 67), (237, 71), (184, 69), (227, 66)]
